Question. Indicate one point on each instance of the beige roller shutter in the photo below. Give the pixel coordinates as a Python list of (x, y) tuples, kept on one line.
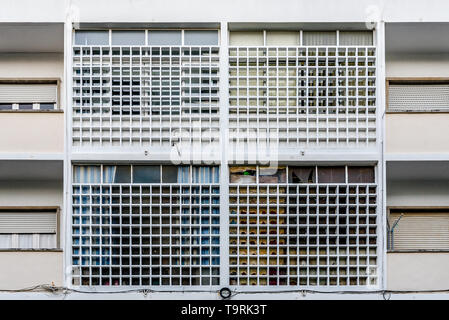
[(421, 231), (356, 38), (27, 222), (319, 38), (418, 97), (28, 93)]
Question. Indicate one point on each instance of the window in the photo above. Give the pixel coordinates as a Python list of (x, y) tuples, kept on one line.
[(146, 174), (418, 229), (134, 229), (290, 91), (331, 175), (164, 38), (356, 38), (287, 229), (414, 95), (200, 38), (320, 38), (302, 175), (28, 228), (87, 37), (126, 38), (272, 175), (28, 95), (360, 174), (162, 83)]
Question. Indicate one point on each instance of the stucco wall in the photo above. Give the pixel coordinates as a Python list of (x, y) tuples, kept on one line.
[(417, 193), (417, 271), (31, 132), (417, 133), (19, 270), (31, 193)]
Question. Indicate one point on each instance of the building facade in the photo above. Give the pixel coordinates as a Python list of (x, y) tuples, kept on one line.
[(296, 151)]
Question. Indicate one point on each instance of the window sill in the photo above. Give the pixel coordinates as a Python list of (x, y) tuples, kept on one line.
[(419, 112), (31, 250), (418, 251), (32, 111)]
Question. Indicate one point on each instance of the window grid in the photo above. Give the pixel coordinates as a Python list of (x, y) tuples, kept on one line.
[(305, 235), (160, 234), (145, 96), (305, 96)]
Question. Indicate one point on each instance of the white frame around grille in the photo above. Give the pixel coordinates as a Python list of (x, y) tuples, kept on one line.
[(349, 264), (136, 199), (173, 102), (283, 102)]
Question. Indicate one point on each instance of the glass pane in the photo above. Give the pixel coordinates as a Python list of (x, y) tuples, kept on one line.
[(319, 38), (146, 174), (272, 175), (87, 174), (124, 38), (203, 38), (169, 38), (169, 174), (47, 241), (356, 38), (301, 175), (205, 175), (242, 174), (331, 174), (25, 241), (361, 174), (25, 106), (117, 174), (5, 106), (5, 241), (47, 106), (91, 38)]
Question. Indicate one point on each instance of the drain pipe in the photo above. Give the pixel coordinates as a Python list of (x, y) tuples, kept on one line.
[(392, 231)]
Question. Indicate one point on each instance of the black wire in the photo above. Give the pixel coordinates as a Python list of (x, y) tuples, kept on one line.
[(55, 290)]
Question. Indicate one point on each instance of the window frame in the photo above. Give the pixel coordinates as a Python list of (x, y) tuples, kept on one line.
[(52, 81), (57, 212), (405, 209), (412, 80)]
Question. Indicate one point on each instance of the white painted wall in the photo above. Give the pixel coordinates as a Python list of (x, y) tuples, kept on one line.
[(19, 270), (34, 132), (407, 193), (232, 10), (417, 65), (31, 193), (418, 271), (417, 133)]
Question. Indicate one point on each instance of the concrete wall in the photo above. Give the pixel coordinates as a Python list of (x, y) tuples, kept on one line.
[(31, 132), (417, 133), (19, 270), (235, 10), (31, 193), (417, 65), (417, 271), (417, 193)]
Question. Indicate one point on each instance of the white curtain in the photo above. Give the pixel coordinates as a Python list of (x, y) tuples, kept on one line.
[(183, 174), (25, 241), (109, 174), (205, 175), (87, 174), (47, 241), (5, 241)]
